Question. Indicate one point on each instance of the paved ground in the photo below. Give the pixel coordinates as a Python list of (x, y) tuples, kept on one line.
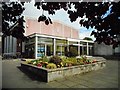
[(0, 72), (14, 77)]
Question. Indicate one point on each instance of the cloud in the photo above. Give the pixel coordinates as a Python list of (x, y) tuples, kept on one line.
[(84, 32)]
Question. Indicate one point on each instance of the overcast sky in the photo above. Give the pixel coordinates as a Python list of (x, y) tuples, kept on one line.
[(61, 15)]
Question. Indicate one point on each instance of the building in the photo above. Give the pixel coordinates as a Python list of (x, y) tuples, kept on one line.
[(12, 47), (53, 39), (46, 40), (102, 49)]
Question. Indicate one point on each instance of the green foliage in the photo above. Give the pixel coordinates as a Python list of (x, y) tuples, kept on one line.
[(95, 12), (12, 12), (44, 59), (29, 61), (44, 64), (84, 60), (70, 61), (73, 60), (51, 66), (62, 57), (88, 38), (73, 52), (56, 60), (35, 62)]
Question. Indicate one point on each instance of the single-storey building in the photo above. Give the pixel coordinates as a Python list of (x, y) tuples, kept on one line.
[(104, 50), (52, 39), (47, 40)]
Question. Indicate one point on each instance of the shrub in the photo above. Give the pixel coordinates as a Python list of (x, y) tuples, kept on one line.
[(56, 60), (28, 61), (45, 59), (73, 60), (34, 62), (69, 61), (84, 60), (51, 66), (44, 64), (72, 52)]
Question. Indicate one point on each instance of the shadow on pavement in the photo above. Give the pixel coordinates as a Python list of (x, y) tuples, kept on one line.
[(110, 57), (31, 75)]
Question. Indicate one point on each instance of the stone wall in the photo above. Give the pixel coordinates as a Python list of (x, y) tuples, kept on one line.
[(48, 75)]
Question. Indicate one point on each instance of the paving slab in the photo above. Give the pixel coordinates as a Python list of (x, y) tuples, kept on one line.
[(54, 84), (79, 86), (14, 77)]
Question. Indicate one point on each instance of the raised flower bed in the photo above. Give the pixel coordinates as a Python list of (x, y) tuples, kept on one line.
[(50, 71)]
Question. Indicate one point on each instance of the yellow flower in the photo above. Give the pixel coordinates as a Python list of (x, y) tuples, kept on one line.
[(40, 61), (46, 62), (61, 63), (34, 63)]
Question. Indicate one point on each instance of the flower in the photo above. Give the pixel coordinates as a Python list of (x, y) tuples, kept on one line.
[(94, 61), (46, 62), (58, 66), (40, 61), (39, 65), (34, 63), (61, 64)]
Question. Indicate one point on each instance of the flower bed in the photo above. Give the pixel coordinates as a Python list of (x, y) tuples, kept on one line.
[(50, 70), (57, 62)]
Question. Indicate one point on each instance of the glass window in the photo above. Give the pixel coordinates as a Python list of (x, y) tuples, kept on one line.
[(41, 50), (49, 50), (32, 39), (60, 47)]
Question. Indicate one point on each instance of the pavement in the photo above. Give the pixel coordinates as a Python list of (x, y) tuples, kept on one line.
[(0, 72), (14, 77)]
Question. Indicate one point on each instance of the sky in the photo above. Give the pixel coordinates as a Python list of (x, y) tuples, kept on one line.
[(60, 15)]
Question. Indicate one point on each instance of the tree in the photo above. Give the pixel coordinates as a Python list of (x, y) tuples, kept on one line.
[(12, 19), (88, 38), (107, 27)]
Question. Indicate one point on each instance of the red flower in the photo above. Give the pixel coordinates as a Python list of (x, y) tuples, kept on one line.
[(94, 61), (39, 65)]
